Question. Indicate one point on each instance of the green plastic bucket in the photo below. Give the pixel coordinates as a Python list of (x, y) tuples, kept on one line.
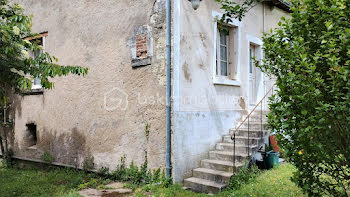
[(271, 159)]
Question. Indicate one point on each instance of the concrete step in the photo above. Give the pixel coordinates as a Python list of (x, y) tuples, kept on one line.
[(227, 156), (243, 140), (256, 125), (255, 118), (239, 148), (220, 165), (257, 112), (202, 185), (252, 132), (212, 175)]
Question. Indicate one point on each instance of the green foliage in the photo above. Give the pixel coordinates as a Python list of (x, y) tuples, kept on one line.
[(309, 56), (95, 182), (46, 157), (244, 176), (275, 182), (88, 163), (8, 161), (147, 130), (233, 9), (34, 182), (17, 68), (135, 175)]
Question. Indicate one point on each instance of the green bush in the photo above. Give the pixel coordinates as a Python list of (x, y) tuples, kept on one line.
[(309, 56)]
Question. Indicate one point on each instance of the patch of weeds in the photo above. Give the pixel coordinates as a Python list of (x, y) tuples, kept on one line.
[(88, 163), (139, 176), (92, 183), (244, 176), (104, 187), (130, 186), (72, 193), (8, 161), (47, 158), (104, 172)]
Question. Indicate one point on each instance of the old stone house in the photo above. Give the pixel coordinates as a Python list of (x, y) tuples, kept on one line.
[(119, 108)]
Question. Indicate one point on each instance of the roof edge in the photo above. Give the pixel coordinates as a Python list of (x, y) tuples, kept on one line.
[(282, 4)]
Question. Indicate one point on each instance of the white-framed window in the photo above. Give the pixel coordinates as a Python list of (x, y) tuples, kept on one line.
[(39, 40), (222, 54), (253, 56), (226, 64), (256, 87)]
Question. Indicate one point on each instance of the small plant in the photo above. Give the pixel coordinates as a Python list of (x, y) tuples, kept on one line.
[(47, 158), (147, 130), (244, 176), (93, 183), (104, 172), (88, 163)]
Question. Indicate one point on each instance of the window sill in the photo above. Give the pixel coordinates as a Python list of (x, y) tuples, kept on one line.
[(36, 91), (32, 147), (219, 80)]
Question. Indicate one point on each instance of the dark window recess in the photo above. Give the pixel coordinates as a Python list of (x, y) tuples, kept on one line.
[(32, 134)]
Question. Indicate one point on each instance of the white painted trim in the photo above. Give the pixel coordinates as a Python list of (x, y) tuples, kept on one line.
[(221, 80), (256, 41)]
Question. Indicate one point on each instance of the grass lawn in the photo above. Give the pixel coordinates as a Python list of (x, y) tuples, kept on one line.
[(35, 182), (65, 182), (270, 183)]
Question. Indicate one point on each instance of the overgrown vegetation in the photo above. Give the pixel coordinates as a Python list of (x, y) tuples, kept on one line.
[(309, 56), (275, 182), (136, 175), (244, 176), (55, 181)]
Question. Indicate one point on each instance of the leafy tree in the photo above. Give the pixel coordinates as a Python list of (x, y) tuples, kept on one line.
[(234, 9), (17, 68), (309, 55)]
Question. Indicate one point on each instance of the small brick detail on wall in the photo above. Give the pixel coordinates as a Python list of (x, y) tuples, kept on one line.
[(141, 46)]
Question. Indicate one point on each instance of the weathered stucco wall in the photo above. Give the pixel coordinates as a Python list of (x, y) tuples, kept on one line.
[(204, 112), (104, 113)]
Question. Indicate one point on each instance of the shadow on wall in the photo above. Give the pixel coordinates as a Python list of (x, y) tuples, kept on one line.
[(67, 148)]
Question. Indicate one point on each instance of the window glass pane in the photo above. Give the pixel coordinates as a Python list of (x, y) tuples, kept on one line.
[(37, 53), (37, 81), (223, 66), (223, 40), (223, 53)]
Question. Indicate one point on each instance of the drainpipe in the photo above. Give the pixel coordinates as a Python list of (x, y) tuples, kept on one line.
[(168, 88)]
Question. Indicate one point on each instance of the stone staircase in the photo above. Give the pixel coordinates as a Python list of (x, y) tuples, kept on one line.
[(215, 172)]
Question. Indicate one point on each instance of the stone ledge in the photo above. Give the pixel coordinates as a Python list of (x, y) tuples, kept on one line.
[(141, 62)]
